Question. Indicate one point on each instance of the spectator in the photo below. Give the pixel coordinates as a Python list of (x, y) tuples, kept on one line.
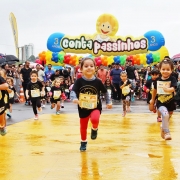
[(25, 78), (115, 74), (102, 73), (56, 75), (48, 73), (132, 73)]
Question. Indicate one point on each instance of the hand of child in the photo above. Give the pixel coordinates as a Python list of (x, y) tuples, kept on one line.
[(42, 93), (50, 93), (151, 105), (147, 90), (76, 101), (166, 89)]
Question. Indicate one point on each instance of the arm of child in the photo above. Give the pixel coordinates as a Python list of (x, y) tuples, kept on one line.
[(152, 101), (9, 90), (74, 97), (4, 86), (27, 95)]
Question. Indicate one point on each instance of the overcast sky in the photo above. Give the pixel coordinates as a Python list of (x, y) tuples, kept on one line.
[(38, 19)]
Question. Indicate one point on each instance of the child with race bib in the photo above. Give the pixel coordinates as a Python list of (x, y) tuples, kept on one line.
[(3, 103), (11, 90), (86, 93), (125, 85), (34, 91), (164, 88), (56, 93)]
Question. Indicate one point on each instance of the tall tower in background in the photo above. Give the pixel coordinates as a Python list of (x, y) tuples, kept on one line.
[(25, 52)]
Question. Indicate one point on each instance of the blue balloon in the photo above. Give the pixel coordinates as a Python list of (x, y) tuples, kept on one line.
[(55, 57), (53, 42), (155, 40)]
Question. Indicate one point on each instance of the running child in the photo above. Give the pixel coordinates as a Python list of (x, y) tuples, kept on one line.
[(66, 89), (63, 89), (3, 103), (125, 85), (12, 91), (148, 88), (86, 93), (34, 91), (47, 90), (56, 93), (164, 88), (110, 88)]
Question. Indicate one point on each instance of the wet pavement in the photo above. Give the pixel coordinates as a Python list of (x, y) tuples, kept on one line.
[(126, 148)]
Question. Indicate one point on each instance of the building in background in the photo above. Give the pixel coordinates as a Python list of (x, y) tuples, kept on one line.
[(26, 52)]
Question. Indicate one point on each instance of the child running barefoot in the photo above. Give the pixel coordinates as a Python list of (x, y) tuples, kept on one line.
[(34, 91), (86, 93), (11, 90), (125, 85), (164, 87), (55, 93)]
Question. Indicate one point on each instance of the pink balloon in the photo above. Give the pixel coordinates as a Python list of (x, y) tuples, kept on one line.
[(37, 61)]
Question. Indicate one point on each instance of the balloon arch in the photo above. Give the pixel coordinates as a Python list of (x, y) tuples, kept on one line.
[(105, 47)]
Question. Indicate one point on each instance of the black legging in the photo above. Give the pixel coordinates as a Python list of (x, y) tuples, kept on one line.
[(117, 93), (36, 103), (24, 85)]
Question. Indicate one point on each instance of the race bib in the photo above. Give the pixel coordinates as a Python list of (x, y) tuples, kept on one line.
[(125, 90), (35, 93), (87, 101), (48, 89), (57, 94), (67, 90), (11, 95), (161, 85)]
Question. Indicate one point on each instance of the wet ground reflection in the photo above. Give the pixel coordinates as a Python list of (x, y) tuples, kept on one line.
[(126, 148)]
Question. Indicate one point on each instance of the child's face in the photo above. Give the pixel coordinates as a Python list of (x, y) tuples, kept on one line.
[(34, 77), (9, 82), (88, 68), (66, 81), (61, 80), (154, 76), (124, 77), (57, 83), (47, 83), (108, 81), (165, 70)]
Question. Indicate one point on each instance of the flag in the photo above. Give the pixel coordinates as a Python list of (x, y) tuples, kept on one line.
[(15, 31)]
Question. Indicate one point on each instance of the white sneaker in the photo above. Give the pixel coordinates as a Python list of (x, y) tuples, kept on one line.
[(167, 136), (43, 106), (36, 117)]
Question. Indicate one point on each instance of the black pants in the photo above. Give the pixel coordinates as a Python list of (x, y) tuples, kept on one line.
[(117, 93), (24, 85), (36, 103)]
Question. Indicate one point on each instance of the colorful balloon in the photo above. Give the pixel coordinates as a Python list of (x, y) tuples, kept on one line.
[(155, 40), (53, 42)]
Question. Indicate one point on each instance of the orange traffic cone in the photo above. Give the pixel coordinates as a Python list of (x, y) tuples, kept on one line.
[(21, 95)]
